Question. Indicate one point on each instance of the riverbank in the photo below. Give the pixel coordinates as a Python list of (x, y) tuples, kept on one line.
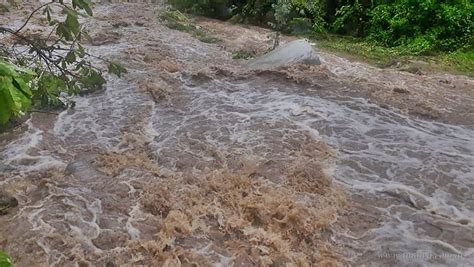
[(459, 62), (407, 88)]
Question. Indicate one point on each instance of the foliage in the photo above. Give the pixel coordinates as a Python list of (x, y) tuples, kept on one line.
[(52, 67), (460, 61), (213, 8), (5, 260), (350, 19), (419, 26), (423, 25), (15, 91), (296, 15), (178, 21), (259, 10), (283, 14)]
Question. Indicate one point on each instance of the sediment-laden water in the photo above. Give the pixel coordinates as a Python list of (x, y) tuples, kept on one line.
[(190, 159)]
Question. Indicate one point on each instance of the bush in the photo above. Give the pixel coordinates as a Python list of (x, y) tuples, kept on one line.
[(423, 25), (282, 15), (350, 20), (212, 8), (298, 16), (420, 26)]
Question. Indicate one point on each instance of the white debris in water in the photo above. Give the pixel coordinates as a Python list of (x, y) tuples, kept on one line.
[(299, 51)]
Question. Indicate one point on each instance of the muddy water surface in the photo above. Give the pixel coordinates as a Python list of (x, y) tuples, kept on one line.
[(191, 160)]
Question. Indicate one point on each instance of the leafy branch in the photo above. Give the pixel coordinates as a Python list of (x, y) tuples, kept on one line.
[(5, 260), (48, 68)]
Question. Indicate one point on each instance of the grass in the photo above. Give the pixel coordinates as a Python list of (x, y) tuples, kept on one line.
[(178, 21), (462, 60), (458, 62)]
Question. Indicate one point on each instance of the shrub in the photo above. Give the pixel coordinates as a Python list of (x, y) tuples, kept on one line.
[(350, 19), (282, 15), (213, 8), (419, 26), (422, 25)]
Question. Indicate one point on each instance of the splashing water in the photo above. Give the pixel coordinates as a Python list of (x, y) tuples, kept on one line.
[(170, 181)]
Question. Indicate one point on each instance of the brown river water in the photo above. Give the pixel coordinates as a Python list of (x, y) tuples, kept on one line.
[(191, 160)]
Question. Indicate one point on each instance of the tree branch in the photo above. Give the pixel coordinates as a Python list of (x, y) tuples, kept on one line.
[(31, 15)]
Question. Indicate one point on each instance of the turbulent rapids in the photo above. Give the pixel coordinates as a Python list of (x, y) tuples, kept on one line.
[(193, 158)]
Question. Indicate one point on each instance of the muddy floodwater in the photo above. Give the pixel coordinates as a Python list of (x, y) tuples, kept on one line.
[(193, 159)]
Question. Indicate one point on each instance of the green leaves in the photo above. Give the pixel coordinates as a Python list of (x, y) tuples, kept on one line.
[(72, 22), (117, 69), (419, 26), (5, 260), (70, 28), (62, 67), (91, 79), (86, 5), (15, 92), (6, 102), (422, 26), (48, 90)]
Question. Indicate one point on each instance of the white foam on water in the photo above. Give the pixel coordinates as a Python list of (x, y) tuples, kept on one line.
[(132, 230), (419, 167), (25, 155), (381, 151)]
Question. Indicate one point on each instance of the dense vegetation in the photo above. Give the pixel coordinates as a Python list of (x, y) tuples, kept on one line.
[(419, 26), (52, 67)]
